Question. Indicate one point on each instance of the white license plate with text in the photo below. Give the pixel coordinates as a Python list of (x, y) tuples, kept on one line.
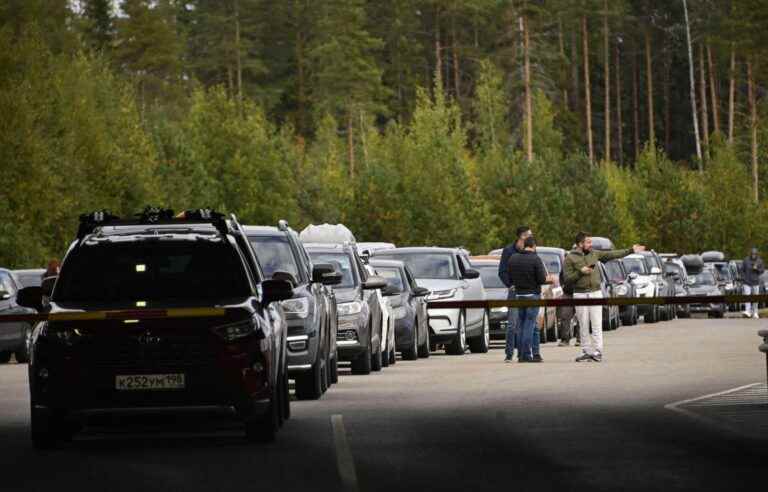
[(143, 382)]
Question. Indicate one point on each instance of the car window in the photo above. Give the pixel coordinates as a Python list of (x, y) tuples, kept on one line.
[(703, 278), (153, 272), (409, 276), (613, 269), (343, 264), (635, 265), (7, 284), (551, 261), (724, 271), (490, 276), (275, 255), (393, 277), (427, 265), (30, 279)]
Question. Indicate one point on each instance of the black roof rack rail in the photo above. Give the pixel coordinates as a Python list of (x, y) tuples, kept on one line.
[(152, 216)]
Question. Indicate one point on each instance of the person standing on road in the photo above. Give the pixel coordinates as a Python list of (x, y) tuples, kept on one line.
[(527, 274), (582, 274), (753, 267), (512, 336)]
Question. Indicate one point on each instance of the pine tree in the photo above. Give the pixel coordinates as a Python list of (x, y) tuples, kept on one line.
[(98, 23)]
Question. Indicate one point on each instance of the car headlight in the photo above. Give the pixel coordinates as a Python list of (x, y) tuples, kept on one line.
[(234, 331), (350, 308), (298, 308), (441, 294), (400, 312), (502, 309), (622, 290)]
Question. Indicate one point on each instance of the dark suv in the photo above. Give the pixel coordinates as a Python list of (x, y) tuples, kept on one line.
[(159, 313), (359, 314), (311, 313)]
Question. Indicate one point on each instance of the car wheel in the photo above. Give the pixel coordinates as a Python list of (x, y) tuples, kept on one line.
[(385, 357), (412, 352), (376, 359), (653, 315), (392, 357), (22, 355), (286, 397), (424, 349), (479, 345), (362, 363), (5, 357), (459, 344), (334, 370), (263, 428), (309, 384)]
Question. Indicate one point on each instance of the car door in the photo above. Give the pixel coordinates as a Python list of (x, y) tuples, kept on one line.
[(474, 291), (11, 333), (418, 303)]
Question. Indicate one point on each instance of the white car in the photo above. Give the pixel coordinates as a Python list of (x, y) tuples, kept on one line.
[(645, 285), (448, 274)]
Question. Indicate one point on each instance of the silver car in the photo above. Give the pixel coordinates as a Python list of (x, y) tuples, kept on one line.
[(448, 274)]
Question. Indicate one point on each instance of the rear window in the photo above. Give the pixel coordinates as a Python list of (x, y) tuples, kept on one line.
[(275, 255), (426, 265), (173, 271), (490, 276), (551, 261)]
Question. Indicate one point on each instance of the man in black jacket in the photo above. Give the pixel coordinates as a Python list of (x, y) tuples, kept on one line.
[(512, 337), (527, 274), (753, 267)]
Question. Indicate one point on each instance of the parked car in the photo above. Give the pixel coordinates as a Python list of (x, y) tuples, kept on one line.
[(359, 337), (645, 286), (554, 260), (602, 244), (704, 283), (664, 286), (235, 357), (410, 308), (32, 277), (495, 290), (725, 280), (674, 270), (621, 282), (387, 322), (737, 272), (448, 274), (14, 337), (310, 313), (611, 314)]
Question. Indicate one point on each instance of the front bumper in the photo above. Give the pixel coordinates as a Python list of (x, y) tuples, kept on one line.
[(351, 337), (498, 321), (303, 341), (443, 323)]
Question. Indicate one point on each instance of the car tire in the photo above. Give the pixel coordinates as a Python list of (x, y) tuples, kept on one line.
[(385, 357), (335, 370), (480, 345), (376, 360), (459, 344), (286, 397), (412, 352), (653, 315), (424, 349), (263, 428), (309, 384), (5, 357), (362, 363), (22, 355)]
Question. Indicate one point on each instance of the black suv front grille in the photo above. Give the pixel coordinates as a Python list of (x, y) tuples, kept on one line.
[(142, 351)]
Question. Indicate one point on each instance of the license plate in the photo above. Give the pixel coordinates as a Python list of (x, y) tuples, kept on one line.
[(144, 382)]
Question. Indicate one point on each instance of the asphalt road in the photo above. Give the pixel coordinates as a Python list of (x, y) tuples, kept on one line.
[(446, 423)]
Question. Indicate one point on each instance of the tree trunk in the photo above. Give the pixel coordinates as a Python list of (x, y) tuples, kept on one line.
[(649, 90), (607, 82), (713, 90), (703, 96), (528, 96), (301, 96), (455, 56), (587, 89), (350, 144), (438, 54), (636, 106), (752, 101), (731, 95), (575, 79), (563, 66), (619, 122), (238, 61), (694, 109), (667, 105)]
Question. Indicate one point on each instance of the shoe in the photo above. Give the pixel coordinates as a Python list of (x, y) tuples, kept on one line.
[(525, 360), (537, 358), (598, 357), (507, 360), (563, 344), (746, 314), (577, 344), (585, 358)]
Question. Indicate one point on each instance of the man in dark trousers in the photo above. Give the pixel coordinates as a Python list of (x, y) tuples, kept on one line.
[(753, 267), (515, 248), (527, 274)]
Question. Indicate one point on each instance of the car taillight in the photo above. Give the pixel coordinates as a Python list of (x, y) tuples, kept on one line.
[(234, 332)]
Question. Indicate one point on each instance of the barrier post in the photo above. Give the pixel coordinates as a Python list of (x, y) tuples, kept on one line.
[(764, 349)]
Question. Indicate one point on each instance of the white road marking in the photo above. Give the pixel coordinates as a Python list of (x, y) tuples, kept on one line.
[(676, 407), (344, 461)]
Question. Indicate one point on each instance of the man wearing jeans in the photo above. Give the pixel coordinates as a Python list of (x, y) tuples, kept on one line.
[(582, 274), (512, 338), (753, 267), (527, 274)]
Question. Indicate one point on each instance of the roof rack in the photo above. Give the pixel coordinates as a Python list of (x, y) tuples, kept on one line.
[(152, 216)]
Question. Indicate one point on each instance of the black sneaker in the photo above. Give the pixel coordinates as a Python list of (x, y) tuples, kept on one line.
[(537, 358), (507, 359), (525, 360), (598, 357), (585, 358)]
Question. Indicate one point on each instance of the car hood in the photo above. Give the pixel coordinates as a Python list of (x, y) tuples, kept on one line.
[(496, 294), (439, 284), (346, 295)]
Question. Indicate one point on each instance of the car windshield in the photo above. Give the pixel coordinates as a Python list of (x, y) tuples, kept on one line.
[(615, 275), (152, 271), (724, 272), (675, 269), (393, 276), (343, 264), (703, 278), (427, 265), (635, 265), (551, 261), (490, 276), (275, 255)]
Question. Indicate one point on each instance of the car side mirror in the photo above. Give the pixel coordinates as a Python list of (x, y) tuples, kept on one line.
[(471, 274), (30, 297), (374, 282), (288, 277), (275, 291), (47, 285), (326, 274), (389, 290), (421, 292), (4, 296)]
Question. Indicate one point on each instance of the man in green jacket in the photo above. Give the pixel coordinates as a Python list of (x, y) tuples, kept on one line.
[(582, 272)]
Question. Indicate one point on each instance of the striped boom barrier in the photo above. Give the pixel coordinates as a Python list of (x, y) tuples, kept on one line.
[(515, 303), (122, 314)]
